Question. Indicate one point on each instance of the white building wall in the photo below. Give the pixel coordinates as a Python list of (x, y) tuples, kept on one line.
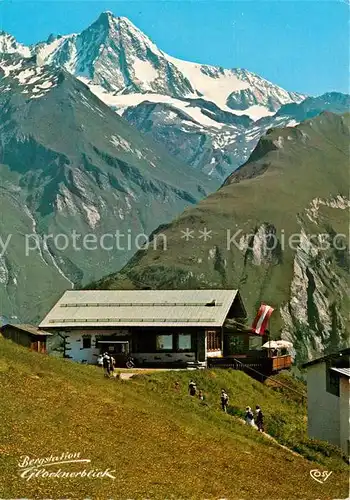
[(345, 415), (323, 407), (77, 353), (75, 344), (214, 354)]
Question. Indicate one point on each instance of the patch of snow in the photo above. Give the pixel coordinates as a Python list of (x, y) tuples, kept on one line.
[(124, 101), (128, 204), (145, 71), (10, 67), (9, 45), (213, 84), (46, 85), (121, 143), (292, 123), (67, 200), (24, 75), (339, 202), (279, 142), (92, 214), (34, 80), (254, 112), (37, 96)]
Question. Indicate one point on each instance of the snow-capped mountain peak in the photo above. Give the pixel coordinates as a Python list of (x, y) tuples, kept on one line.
[(124, 68), (111, 53), (119, 61), (9, 45), (117, 58)]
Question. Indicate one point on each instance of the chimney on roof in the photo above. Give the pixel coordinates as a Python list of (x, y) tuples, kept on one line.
[(211, 304)]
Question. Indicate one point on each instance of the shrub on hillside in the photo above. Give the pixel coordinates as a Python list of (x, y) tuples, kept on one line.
[(293, 435), (326, 449), (235, 411)]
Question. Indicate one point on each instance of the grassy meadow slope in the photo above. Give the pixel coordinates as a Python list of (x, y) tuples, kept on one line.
[(160, 443), (295, 183)]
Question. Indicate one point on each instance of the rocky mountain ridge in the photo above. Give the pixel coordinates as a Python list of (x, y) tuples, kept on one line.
[(125, 69), (78, 186)]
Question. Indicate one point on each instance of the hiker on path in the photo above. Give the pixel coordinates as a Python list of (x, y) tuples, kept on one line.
[(259, 419), (249, 416), (192, 387), (106, 364), (224, 400)]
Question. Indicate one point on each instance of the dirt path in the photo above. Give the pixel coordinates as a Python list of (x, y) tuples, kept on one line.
[(125, 376), (268, 436)]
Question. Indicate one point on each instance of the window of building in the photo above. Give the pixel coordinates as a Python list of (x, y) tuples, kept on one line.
[(87, 342), (164, 342), (255, 343), (184, 342), (213, 341), (236, 344), (332, 381)]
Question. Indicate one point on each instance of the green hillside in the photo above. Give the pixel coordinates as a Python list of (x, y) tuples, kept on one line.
[(272, 235), (160, 443)]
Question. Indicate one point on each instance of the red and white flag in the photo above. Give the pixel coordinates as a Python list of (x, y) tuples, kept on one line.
[(262, 319)]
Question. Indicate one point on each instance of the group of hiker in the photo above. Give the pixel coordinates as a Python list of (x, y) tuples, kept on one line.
[(257, 421), (108, 363), (259, 418), (192, 388)]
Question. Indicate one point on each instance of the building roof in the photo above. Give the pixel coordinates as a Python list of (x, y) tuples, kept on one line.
[(141, 308), (345, 372), (343, 352), (33, 330)]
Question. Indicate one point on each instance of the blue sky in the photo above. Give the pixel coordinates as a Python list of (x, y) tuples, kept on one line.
[(301, 45)]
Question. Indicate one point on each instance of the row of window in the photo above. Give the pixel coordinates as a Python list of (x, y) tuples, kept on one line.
[(183, 342), (179, 342), (170, 342)]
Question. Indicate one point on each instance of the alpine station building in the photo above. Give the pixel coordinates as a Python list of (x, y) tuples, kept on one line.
[(157, 327)]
